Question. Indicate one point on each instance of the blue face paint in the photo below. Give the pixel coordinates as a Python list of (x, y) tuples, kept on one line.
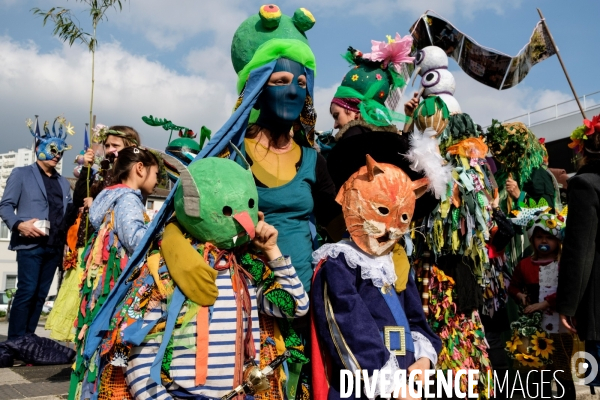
[(281, 105)]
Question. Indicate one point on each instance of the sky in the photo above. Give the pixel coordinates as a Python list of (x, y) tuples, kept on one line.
[(171, 59)]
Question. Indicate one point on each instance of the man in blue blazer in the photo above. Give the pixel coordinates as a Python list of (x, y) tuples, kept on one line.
[(35, 193)]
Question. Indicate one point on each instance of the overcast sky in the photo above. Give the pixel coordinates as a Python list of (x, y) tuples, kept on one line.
[(171, 58)]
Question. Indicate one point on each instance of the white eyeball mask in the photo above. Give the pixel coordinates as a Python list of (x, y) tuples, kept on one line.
[(429, 58), (438, 81)]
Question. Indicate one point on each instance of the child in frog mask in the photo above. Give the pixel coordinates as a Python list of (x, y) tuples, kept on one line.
[(360, 295), (202, 305)]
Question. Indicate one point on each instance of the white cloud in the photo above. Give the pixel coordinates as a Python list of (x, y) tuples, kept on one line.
[(165, 24), (127, 87), (323, 98)]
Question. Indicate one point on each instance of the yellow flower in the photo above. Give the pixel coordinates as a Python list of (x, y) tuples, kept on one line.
[(529, 361), (512, 346), (550, 223), (542, 345), (354, 78)]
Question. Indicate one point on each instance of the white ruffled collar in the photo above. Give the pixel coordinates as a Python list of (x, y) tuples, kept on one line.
[(380, 270)]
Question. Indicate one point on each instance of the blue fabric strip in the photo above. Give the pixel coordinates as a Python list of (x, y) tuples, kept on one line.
[(172, 313), (393, 302)]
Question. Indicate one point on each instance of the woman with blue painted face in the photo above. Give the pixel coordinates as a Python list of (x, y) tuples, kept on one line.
[(292, 179)]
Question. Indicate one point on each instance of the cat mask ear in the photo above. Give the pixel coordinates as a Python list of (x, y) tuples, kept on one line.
[(420, 187), (372, 168)]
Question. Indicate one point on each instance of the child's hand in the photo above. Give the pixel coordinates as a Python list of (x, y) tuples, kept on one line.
[(523, 298), (265, 238), (88, 157), (536, 307)]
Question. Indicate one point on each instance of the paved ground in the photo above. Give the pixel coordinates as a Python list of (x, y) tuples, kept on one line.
[(27, 382), (52, 382)]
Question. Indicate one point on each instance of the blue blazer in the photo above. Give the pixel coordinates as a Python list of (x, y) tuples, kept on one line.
[(25, 198)]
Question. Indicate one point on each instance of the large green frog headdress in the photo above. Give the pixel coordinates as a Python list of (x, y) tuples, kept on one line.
[(216, 201), (266, 37)]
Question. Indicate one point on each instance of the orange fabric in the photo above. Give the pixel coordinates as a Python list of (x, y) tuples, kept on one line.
[(201, 346), (471, 148), (72, 234)]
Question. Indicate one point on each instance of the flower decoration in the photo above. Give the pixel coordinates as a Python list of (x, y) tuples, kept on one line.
[(381, 94), (99, 133), (592, 126), (542, 344), (354, 78), (582, 132), (542, 140), (530, 345), (393, 51), (378, 77)]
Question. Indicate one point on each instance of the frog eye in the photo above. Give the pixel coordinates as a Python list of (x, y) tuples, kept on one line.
[(270, 15), (303, 19)]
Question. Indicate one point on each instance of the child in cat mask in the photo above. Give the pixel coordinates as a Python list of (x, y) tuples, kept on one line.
[(356, 286)]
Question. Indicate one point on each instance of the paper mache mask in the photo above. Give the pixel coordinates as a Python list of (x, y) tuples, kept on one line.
[(216, 201), (50, 144), (378, 202)]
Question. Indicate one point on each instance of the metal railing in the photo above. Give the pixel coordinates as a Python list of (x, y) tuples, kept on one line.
[(558, 110)]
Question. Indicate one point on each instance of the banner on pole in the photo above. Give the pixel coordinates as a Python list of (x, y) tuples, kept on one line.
[(485, 65)]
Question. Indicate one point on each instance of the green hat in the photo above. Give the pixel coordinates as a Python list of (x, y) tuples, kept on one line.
[(270, 35), (368, 85)]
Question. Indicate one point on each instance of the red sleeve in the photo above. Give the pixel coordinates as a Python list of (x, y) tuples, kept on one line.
[(551, 299), (516, 281)]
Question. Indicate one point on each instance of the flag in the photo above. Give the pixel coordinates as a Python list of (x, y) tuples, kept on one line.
[(486, 65), (86, 139)]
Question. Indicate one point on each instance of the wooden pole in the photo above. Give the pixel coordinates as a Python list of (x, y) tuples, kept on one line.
[(562, 64)]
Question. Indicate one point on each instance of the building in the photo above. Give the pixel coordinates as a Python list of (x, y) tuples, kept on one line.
[(8, 258), (555, 124)]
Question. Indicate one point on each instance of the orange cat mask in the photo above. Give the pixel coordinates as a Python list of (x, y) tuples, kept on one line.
[(378, 202)]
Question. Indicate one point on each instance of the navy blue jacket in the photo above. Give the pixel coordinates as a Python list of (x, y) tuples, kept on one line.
[(25, 198), (361, 313)]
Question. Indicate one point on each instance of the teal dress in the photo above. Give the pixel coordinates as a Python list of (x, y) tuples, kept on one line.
[(288, 208)]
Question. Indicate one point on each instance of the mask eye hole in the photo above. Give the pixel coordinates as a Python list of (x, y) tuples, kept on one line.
[(227, 211), (404, 218), (383, 210), (431, 79), (251, 203)]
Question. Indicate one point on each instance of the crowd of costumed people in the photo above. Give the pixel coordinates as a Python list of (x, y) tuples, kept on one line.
[(399, 241)]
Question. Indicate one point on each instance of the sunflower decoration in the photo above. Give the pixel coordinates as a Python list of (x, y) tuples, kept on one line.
[(542, 344), (530, 345)]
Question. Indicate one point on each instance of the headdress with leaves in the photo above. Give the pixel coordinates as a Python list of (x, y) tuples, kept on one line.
[(582, 132)]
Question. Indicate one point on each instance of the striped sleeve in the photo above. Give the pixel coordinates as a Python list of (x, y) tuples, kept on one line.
[(285, 275)]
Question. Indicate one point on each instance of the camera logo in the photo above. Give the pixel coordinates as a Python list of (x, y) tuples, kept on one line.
[(584, 367)]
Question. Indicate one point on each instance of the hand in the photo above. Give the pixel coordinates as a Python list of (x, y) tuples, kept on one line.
[(523, 298), (87, 202), (568, 323), (512, 188), (496, 201), (536, 307), (27, 229), (422, 364), (88, 157), (411, 105), (265, 238)]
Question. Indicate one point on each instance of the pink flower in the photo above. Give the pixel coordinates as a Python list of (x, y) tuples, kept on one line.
[(378, 77), (393, 51)]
